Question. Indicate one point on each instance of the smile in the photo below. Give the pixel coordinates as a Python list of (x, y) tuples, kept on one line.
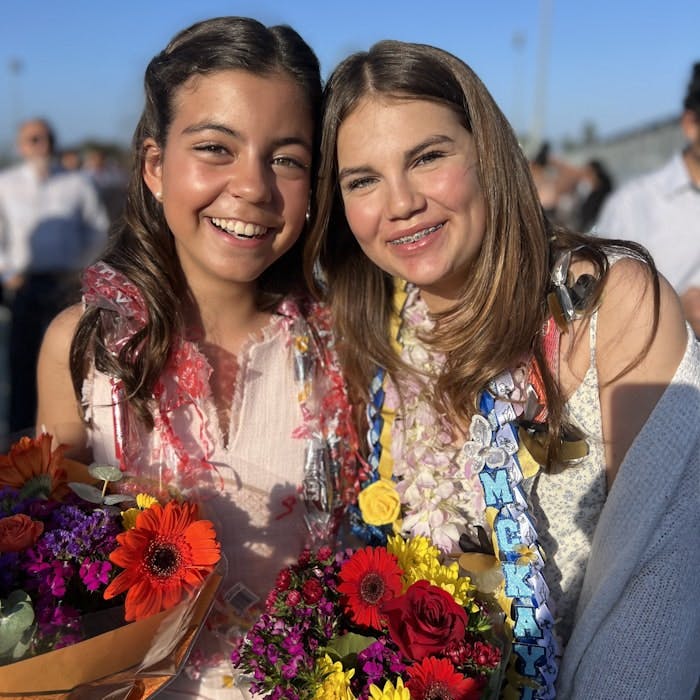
[(240, 229), (415, 237)]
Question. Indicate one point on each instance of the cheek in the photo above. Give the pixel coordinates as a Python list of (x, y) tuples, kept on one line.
[(361, 219), (293, 202), (457, 188)]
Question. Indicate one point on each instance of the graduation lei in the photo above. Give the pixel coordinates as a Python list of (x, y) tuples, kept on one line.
[(495, 462)]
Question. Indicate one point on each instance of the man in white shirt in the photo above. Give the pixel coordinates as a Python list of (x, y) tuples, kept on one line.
[(661, 210), (51, 225)]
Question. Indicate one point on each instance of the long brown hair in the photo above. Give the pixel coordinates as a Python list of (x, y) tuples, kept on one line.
[(142, 247), (502, 308)]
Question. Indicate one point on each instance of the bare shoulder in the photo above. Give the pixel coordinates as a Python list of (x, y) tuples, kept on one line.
[(59, 411), (60, 332), (635, 361), (626, 337)]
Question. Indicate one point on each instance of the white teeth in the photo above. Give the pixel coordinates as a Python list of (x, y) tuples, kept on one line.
[(241, 229), (415, 236)]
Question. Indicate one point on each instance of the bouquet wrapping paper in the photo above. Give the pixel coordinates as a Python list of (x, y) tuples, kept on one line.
[(131, 662)]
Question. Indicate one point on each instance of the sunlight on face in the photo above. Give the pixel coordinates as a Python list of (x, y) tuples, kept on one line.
[(407, 172), (234, 173)]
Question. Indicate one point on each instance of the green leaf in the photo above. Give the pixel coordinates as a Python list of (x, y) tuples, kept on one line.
[(114, 498), (88, 493), (37, 487), (349, 644), (16, 619), (105, 472)]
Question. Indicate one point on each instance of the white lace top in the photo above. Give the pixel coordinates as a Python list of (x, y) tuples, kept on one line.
[(258, 515), (568, 503)]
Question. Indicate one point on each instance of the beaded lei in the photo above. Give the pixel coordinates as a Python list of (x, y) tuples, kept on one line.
[(330, 478), (441, 488)]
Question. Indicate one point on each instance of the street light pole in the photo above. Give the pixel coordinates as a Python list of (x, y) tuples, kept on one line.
[(538, 122)]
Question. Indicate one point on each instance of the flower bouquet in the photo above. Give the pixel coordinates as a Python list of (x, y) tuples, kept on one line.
[(388, 622), (76, 563)]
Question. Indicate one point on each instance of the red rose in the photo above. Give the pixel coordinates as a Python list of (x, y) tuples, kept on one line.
[(312, 591), (424, 620), (17, 532)]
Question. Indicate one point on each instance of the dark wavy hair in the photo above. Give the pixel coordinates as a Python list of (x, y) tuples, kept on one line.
[(502, 307), (142, 246), (692, 97)]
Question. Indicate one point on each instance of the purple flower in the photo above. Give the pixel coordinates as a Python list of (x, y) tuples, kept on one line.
[(95, 573)]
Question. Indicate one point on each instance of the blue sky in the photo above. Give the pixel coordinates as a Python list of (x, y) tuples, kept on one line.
[(617, 63)]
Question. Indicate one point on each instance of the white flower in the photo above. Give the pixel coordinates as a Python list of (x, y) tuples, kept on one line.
[(480, 452)]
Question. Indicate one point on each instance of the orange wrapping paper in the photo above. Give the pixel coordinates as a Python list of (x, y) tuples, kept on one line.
[(130, 662)]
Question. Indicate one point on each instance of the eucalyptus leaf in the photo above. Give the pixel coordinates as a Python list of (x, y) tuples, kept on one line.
[(23, 645), (114, 498), (88, 493), (105, 472), (16, 617)]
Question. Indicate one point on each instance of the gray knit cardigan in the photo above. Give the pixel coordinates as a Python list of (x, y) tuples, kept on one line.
[(637, 629)]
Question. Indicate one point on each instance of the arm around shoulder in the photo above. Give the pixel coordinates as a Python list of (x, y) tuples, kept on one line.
[(59, 411)]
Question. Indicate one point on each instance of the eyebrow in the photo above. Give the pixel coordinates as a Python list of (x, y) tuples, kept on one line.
[(235, 134), (408, 156)]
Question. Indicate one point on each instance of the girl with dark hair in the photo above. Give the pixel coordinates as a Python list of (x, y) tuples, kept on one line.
[(197, 359), (525, 385)]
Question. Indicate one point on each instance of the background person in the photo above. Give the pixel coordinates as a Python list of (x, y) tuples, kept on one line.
[(661, 210), (51, 225), (526, 385), (198, 361)]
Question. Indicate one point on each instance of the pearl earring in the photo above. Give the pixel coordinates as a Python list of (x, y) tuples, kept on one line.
[(159, 196)]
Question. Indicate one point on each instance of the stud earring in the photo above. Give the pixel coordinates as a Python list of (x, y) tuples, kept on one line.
[(158, 196)]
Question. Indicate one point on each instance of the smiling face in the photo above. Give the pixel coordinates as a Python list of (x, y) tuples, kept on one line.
[(233, 175), (408, 179)]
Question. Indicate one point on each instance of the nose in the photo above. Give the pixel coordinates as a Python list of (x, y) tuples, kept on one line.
[(403, 198), (250, 180)]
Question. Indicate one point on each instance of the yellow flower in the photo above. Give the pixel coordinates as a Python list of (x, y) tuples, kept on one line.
[(448, 578), (379, 503), (415, 556), (390, 692), (527, 554), (143, 501), (336, 682)]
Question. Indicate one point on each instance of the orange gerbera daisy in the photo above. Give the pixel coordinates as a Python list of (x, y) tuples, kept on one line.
[(31, 462), (437, 679), (168, 553), (368, 579)]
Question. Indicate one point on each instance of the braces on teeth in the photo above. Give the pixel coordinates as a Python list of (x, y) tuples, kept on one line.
[(416, 236)]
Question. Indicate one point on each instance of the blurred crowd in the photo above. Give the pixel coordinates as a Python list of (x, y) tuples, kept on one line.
[(56, 208), (659, 209)]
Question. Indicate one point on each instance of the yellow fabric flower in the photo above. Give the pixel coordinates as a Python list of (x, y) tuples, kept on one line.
[(389, 692), (336, 682), (379, 503), (527, 555)]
